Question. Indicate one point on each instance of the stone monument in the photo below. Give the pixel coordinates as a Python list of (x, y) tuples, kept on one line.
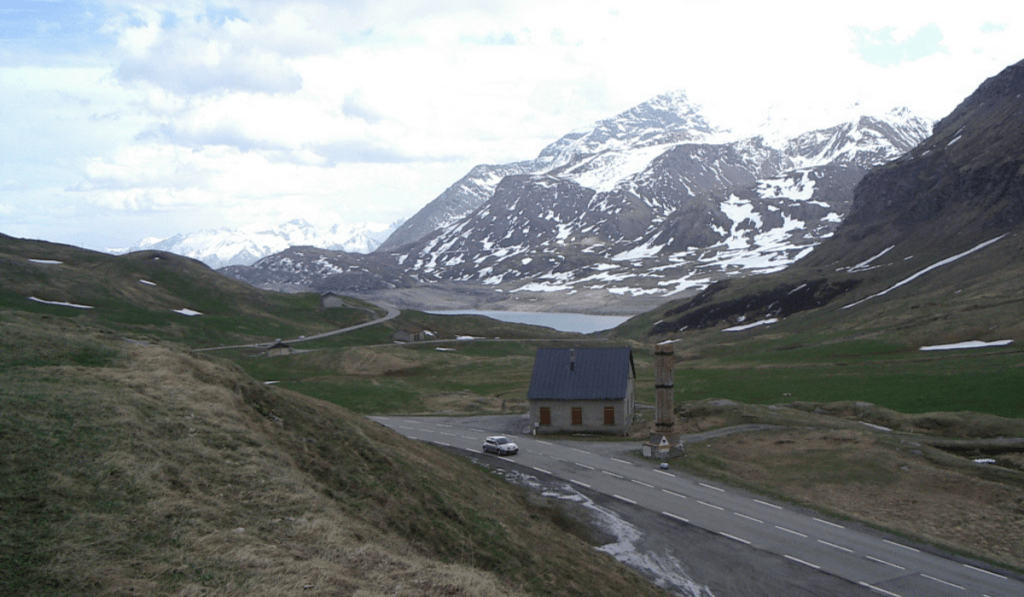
[(664, 441)]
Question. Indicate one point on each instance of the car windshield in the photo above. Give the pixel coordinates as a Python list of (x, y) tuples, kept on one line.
[(501, 440)]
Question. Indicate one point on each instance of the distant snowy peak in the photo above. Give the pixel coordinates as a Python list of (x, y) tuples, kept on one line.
[(244, 246), (666, 119), (865, 141)]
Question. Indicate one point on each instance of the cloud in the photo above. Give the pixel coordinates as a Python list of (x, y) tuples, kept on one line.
[(203, 53), (880, 48)]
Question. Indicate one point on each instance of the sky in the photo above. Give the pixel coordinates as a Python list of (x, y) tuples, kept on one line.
[(122, 120)]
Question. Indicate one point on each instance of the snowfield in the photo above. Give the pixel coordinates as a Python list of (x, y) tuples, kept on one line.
[(967, 344), (60, 303)]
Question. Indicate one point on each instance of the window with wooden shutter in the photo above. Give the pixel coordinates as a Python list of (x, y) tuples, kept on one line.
[(609, 415), (577, 415), (545, 415)]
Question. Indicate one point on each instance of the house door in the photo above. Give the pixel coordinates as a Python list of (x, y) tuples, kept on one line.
[(609, 415), (577, 415), (545, 415)]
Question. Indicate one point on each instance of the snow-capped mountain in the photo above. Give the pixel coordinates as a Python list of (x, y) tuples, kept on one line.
[(638, 209), (653, 201), (606, 151), (246, 245)]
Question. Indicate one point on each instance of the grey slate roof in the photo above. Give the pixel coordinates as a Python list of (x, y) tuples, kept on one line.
[(599, 374)]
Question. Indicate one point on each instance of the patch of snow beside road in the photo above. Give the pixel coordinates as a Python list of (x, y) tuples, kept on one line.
[(968, 344)]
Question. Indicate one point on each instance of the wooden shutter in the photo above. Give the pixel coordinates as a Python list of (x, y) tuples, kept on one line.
[(577, 415), (545, 415), (609, 415)]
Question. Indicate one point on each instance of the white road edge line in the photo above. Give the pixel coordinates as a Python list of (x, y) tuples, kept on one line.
[(831, 524), (839, 547), (711, 487), (540, 441), (583, 451), (538, 469), (945, 582), (648, 485), (986, 571), (791, 531), (798, 560), (901, 545), (882, 591), (580, 483), (670, 515), (874, 559), (619, 461), (625, 499), (734, 537), (663, 473), (443, 444), (769, 505), (748, 517)]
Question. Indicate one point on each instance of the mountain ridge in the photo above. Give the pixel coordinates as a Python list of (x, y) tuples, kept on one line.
[(244, 246)]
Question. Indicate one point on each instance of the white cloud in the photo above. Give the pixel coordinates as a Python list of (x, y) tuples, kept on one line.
[(200, 113)]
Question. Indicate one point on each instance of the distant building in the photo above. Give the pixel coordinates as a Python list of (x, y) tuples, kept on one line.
[(582, 390), (279, 349), (409, 335), (329, 300)]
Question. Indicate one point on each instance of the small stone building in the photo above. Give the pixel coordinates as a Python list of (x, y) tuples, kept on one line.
[(329, 300), (582, 390), (409, 335), (279, 349)]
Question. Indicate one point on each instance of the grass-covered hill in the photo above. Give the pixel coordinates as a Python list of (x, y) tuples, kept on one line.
[(165, 296), (132, 465), (139, 468)]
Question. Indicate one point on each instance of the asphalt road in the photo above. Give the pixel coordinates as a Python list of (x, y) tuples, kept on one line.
[(870, 560)]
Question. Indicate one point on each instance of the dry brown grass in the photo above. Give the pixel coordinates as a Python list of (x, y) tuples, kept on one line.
[(165, 474), (894, 481)]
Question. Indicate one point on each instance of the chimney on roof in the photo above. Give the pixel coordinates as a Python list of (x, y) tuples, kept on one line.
[(572, 359)]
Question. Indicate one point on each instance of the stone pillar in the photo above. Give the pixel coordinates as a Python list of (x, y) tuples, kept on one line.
[(664, 358)]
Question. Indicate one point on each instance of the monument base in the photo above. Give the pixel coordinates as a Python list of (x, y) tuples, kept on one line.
[(664, 445)]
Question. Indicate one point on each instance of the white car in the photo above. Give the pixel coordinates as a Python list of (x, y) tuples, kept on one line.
[(500, 445)]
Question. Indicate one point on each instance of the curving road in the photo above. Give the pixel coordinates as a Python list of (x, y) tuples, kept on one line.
[(872, 561), (392, 312)]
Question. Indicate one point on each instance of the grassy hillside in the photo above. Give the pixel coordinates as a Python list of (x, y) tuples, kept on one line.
[(134, 468), (145, 293), (834, 342)]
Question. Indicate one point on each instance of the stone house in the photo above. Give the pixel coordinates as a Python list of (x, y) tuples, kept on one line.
[(409, 335), (582, 390), (329, 300), (279, 349)]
